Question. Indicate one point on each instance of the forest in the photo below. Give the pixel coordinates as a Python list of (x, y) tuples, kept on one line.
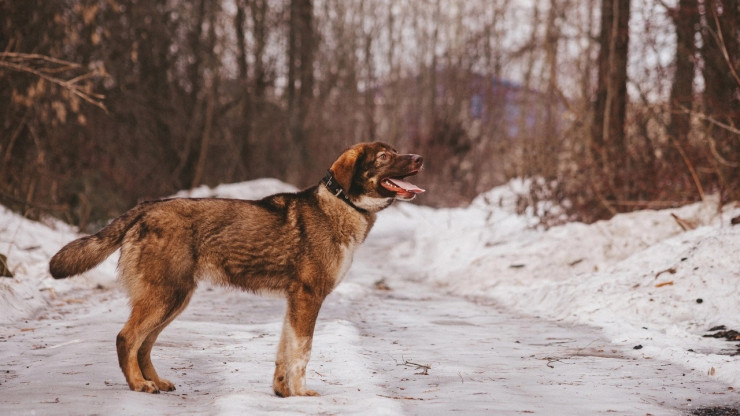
[(606, 105)]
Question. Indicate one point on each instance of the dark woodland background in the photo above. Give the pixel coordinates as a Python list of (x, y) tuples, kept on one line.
[(107, 102)]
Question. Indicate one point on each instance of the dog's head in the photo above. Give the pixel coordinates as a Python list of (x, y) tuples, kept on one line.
[(372, 175)]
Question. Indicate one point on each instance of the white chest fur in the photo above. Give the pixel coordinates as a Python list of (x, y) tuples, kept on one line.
[(346, 254)]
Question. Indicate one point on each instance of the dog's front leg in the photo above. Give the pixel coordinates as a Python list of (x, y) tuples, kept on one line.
[(294, 349)]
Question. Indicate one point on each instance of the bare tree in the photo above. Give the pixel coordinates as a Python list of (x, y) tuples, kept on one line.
[(244, 126), (206, 92), (301, 47), (686, 20), (721, 50), (608, 140)]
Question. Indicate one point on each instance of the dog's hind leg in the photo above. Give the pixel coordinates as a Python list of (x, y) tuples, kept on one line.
[(294, 349), (144, 353), (128, 342), (149, 315)]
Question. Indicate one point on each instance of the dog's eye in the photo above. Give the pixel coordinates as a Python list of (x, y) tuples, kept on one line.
[(383, 156)]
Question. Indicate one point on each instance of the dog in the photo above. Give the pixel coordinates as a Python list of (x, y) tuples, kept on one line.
[(297, 244)]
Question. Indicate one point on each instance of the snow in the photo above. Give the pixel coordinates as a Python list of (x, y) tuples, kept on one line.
[(639, 276), (484, 312)]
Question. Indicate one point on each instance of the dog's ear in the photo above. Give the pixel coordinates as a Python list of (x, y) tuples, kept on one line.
[(345, 167)]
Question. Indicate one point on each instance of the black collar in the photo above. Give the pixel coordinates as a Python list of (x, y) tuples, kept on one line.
[(333, 187)]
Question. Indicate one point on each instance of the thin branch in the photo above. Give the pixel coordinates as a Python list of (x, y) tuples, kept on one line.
[(690, 166), (424, 368), (723, 47), (31, 56), (712, 120), (656, 204), (83, 77), (17, 62), (717, 156)]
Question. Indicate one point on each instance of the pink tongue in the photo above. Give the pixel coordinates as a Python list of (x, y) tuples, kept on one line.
[(406, 186)]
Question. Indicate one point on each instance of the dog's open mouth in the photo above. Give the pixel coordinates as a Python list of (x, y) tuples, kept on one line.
[(402, 188)]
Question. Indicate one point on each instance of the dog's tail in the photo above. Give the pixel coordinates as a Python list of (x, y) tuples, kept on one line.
[(87, 252)]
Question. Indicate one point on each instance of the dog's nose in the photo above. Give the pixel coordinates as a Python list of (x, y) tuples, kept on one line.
[(417, 159)]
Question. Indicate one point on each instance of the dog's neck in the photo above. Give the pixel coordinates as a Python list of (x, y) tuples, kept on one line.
[(333, 187)]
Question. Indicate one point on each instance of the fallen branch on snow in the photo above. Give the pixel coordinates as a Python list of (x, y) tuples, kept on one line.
[(425, 368)]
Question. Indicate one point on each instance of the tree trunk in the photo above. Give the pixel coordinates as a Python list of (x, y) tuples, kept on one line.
[(189, 154), (525, 136), (686, 20), (722, 88), (608, 140), (243, 128), (300, 78), (547, 147), (369, 93), (259, 34)]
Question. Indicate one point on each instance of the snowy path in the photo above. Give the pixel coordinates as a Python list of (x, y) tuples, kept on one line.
[(409, 350)]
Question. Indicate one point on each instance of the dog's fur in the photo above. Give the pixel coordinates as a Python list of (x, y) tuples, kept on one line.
[(298, 244)]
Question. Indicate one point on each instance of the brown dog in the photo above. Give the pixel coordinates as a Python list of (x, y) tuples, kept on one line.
[(299, 244)]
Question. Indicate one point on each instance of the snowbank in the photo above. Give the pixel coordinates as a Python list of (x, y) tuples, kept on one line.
[(28, 246), (640, 276)]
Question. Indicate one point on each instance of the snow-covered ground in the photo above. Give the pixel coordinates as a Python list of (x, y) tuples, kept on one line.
[(639, 276), (470, 311)]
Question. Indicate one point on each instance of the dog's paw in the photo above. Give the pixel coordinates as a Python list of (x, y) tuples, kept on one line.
[(281, 389), (287, 393), (280, 384), (165, 385), (145, 386), (307, 392)]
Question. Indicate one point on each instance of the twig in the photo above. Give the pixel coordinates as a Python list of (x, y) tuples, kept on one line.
[(30, 56), (74, 89), (551, 360), (723, 47), (671, 270), (18, 62), (667, 204), (710, 119), (690, 165), (685, 225), (400, 397), (425, 368)]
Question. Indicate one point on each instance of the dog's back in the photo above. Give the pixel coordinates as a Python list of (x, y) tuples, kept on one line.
[(255, 245)]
